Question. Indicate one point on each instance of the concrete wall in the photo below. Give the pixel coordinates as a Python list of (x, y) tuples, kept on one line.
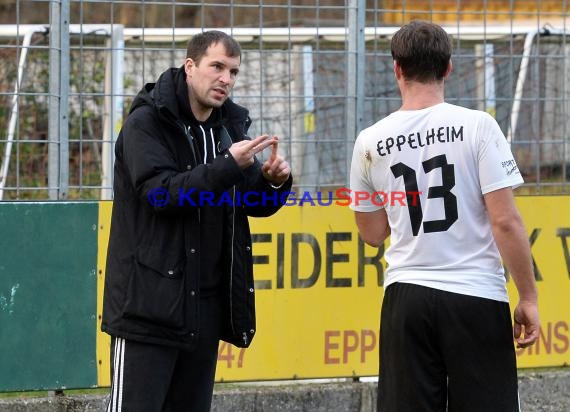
[(540, 392)]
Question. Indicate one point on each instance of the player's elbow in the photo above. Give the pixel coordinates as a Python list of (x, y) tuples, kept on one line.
[(373, 227), (371, 241), (507, 223), (374, 239)]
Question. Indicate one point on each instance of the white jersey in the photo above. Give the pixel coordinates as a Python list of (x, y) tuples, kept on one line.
[(433, 167)]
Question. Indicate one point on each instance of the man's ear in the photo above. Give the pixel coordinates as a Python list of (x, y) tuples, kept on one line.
[(449, 69), (397, 70), (188, 65)]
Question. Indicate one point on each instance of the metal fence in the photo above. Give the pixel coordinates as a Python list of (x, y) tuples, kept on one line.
[(314, 72)]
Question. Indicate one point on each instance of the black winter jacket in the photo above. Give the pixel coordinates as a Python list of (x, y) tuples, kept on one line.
[(153, 259)]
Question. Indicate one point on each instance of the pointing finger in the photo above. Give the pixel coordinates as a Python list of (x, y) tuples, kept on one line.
[(274, 149), (249, 144), (261, 144)]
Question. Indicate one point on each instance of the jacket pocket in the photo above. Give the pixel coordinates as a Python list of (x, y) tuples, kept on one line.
[(156, 290)]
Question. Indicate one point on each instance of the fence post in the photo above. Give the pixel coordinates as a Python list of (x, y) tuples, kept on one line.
[(355, 76), (113, 115), (58, 129)]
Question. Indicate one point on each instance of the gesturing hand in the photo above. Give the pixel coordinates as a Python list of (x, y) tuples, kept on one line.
[(243, 152), (275, 169)]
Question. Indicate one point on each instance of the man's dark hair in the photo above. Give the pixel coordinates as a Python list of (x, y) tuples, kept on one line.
[(422, 50), (199, 43)]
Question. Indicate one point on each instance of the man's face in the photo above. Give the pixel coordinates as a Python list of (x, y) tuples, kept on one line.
[(211, 81)]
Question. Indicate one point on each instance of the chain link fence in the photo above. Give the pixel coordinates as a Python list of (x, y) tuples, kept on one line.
[(314, 72)]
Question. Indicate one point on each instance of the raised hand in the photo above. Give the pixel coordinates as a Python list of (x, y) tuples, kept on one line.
[(243, 152), (276, 169)]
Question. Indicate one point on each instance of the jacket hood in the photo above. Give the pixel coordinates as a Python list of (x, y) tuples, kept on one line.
[(162, 95)]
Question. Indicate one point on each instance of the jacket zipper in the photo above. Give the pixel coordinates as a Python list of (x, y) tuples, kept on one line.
[(232, 264), (190, 139)]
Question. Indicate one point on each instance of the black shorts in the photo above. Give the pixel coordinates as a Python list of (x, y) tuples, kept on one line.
[(445, 351)]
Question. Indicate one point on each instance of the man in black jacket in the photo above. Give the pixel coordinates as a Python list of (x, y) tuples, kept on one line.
[(179, 273)]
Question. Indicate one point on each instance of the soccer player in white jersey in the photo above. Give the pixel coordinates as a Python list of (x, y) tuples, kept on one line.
[(447, 338)]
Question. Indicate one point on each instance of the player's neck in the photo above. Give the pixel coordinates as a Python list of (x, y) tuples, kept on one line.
[(417, 96)]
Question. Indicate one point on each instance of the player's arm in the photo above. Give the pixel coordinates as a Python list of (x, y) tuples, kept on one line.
[(373, 226), (511, 238)]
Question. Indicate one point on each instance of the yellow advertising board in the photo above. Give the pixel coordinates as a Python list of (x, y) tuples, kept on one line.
[(319, 291), (547, 219)]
